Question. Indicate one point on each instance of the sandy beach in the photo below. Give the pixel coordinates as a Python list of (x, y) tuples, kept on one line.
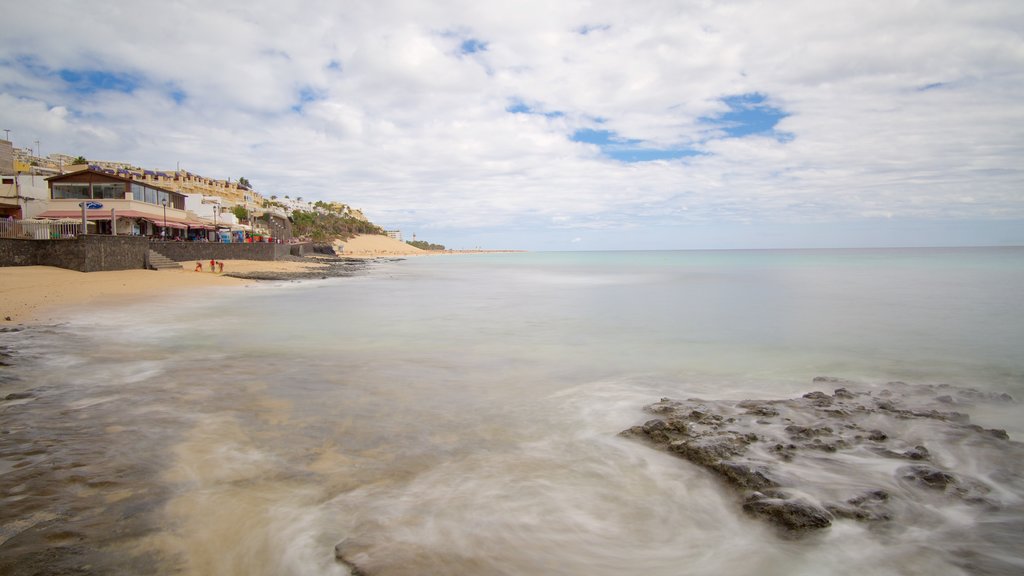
[(44, 294), (372, 246)]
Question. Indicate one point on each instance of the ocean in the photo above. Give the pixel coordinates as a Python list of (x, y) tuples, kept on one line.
[(461, 415)]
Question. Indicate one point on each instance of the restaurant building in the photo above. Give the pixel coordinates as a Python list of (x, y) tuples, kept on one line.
[(122, 205)]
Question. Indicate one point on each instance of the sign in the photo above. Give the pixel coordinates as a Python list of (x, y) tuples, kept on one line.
[(90, 205)]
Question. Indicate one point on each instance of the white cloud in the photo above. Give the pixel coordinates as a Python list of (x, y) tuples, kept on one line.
[(896, 108)]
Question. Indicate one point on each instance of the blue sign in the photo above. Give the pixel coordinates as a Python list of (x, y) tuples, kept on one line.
[(91, 205)]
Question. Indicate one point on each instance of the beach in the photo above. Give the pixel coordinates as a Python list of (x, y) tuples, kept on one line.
[(44, 294)]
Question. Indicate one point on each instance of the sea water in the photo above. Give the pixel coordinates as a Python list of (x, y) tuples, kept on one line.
[(460, 415)]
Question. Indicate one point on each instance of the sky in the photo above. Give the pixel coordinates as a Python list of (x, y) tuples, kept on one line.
[(555, 125)]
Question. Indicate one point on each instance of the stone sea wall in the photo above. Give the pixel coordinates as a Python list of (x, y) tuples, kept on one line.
[(91, 253), (200, 251), (96, 253)]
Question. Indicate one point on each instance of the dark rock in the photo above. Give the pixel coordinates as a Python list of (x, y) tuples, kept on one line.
[(872, 506), (999, 433), (819, 398), (709, 451), (918, 453), (885, 405), (804, 432), (772, 446), (762, 410), (744, 475), (18, 396), (790, 513), (657, 430), (927, 477)]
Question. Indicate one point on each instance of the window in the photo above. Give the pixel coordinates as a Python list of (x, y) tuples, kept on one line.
[(138, 192), (108, 191), (71, 190)]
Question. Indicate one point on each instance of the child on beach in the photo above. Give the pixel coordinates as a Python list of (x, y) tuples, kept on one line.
[(199, 266)]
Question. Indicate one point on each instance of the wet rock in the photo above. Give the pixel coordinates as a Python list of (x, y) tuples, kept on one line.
[(872, 506), (804, 432), (761, 410), (927, 476), (709, 451), (842, 394), (878, 436), (918, 453), (744, 475), (18, 396), (793, 514), (764, 449), (999, 433), (819, 398)]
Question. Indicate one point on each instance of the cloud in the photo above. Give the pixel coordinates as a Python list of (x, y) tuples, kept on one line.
[(457, 117)]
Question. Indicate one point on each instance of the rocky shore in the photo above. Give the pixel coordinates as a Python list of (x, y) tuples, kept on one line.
[(870, 456), (331, 267)]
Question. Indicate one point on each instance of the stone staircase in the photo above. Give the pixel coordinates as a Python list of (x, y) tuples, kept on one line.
[(157, 261)]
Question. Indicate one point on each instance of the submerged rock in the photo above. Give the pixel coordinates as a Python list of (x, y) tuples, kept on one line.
[(342, 552), (778, 456)]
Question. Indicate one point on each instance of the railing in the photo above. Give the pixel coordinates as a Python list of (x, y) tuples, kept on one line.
[(38, 230)]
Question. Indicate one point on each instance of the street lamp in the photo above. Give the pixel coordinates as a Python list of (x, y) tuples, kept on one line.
[(164, 231)]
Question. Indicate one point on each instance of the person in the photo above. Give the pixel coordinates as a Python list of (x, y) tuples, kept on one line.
[(220, 267), (199, 266), (212, 264)]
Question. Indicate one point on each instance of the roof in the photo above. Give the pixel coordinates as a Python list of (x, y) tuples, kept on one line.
[(112, 174)]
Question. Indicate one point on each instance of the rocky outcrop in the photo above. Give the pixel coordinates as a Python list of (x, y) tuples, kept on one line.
[(333, 267), (805, 462)]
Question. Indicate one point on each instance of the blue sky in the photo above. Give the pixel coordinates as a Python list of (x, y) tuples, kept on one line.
[(551, 126)]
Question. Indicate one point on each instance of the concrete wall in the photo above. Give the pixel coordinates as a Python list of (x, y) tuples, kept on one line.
[(205, 251), (94, 253), (85, 253)]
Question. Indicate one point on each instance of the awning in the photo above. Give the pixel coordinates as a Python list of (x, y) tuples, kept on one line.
[(168, 224), (101, 214), (105, 215)]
